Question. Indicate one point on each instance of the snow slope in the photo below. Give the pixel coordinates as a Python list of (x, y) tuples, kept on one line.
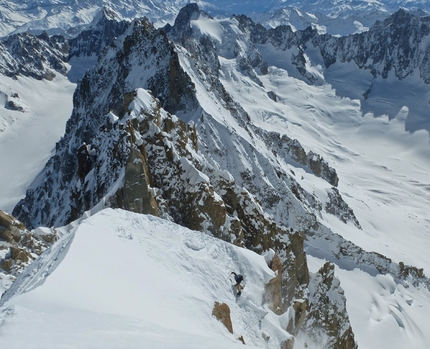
[(141, 282), (28, 137)]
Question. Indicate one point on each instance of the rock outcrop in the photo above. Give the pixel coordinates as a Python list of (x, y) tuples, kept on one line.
[(327, 314), (221, 311), (18, 246)]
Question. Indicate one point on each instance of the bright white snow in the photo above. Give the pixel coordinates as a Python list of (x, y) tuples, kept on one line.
[(27, 138), (141, 282)]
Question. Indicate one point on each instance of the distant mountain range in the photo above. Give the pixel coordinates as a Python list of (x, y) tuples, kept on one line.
[(334, 17)]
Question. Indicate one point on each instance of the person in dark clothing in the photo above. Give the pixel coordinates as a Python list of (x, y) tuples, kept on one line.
[(238, 278)]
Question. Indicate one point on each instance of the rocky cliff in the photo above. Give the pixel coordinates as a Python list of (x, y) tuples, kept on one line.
[(404, 36), (19, 246), (39, 57), (104, 28)]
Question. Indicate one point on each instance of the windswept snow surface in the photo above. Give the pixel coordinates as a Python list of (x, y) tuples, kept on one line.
[(28, 136), (137, 281), (384, 314)]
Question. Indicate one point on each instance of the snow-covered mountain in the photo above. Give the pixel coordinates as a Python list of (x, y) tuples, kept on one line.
[(337, 17), (71, 16), (311, 146)]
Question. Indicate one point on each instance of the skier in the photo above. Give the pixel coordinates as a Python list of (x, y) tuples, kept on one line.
[(238, 278)]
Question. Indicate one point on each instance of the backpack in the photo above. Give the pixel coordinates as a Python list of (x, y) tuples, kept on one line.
[(239, 278)]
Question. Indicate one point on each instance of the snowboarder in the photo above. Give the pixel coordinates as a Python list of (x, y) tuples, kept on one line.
[(238, 278)]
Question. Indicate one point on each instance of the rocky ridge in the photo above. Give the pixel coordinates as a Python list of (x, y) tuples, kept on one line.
[(105, 27), (405, 51), (39, 57)]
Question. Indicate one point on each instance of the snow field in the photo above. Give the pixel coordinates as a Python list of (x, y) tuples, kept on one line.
[(140, 280), (28, 138)]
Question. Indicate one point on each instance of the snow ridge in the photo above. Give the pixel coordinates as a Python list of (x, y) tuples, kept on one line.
[(150, 271)]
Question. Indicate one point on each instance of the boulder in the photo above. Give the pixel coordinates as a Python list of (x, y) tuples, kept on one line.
[(221, 311)]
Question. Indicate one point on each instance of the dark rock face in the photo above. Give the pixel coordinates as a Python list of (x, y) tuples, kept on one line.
[(92, 42), (181, 27), (336, 206), (39, 57), (138, 197)]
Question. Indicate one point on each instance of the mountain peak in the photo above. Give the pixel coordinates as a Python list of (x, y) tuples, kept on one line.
[(107, 13), (185, 16)]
